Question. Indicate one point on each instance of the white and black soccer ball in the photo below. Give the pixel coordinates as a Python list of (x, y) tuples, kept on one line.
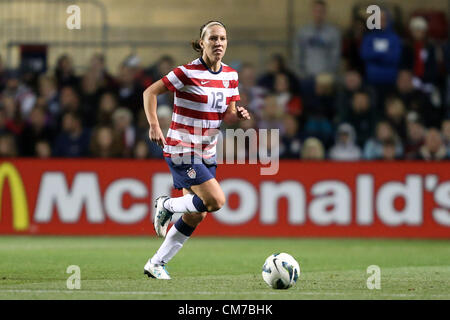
[(280, 271)]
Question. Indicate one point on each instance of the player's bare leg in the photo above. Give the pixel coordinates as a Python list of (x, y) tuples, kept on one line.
[(214, 199), (211, 194)]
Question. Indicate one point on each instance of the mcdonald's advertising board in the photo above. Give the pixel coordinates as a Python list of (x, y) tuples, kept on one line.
[(314, 199)]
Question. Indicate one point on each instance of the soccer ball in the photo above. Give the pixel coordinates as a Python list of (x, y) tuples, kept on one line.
[(280, 271)]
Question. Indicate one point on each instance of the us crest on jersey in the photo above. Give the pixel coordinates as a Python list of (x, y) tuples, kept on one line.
[(191, 173), (226, 83)]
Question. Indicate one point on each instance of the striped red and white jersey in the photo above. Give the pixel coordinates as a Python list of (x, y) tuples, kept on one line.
[(201, 98)]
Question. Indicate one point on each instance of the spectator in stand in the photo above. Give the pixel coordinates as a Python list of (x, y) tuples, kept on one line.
[(141, 150), (416, 100), (13, 117), (318, 126), (361, 116), (325, 94), (446, 89), (415, 136), (433, 148), (445, 128), (276, 66), (22, 95), (142, 126), (35, 130), (313, 149), (69, 101), (352, 43), (373, 148), (141, 78), (90, 97), (396, 115), (8, 148), (388, 152), (352, 82), (130, 90), (28, 124), (29, 77), (104, 143), (124, 129), (97, 68), (48, 91), (381, 52), (419, 54), (43, 149), (64, 72), (317, 46), (73, 141), (250, 90), (322, 99), (272, 114), (286, 98), (107, 106), (290, 142), (345, 148), (163, 66)]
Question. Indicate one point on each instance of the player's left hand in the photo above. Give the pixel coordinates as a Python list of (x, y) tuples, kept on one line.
[(242, 113)]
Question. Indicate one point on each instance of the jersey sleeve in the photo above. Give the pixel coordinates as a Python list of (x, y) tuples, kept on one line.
[(175, 79)]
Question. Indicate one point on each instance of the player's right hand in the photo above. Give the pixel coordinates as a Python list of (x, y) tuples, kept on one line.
[(155, 134), (242, 113)]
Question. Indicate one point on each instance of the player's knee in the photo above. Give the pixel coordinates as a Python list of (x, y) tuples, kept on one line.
[(215, 203)]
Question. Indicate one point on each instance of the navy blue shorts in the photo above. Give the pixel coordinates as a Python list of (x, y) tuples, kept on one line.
[(187, 175)]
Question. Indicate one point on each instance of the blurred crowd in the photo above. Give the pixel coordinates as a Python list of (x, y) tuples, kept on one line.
[(346, 95)]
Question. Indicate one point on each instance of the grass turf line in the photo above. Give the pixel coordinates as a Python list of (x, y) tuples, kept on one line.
[(222, 268)]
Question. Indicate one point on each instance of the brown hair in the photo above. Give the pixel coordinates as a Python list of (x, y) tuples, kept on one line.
[(196, 43)]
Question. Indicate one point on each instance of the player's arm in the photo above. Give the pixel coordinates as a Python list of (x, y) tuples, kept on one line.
[(236, 112), (150, 104)]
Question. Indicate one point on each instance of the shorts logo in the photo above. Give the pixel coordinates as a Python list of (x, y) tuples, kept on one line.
[(191, 173), (226, 83)]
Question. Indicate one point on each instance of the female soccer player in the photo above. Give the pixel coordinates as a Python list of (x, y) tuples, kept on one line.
[(205, 90)]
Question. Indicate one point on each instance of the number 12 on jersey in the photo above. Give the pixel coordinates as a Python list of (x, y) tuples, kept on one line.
[(217, 100)]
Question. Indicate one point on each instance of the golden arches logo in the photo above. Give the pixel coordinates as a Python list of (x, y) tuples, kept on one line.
[(18, 196)]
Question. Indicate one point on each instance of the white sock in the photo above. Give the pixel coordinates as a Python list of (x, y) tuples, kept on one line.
[(172, 244), (181, 204)]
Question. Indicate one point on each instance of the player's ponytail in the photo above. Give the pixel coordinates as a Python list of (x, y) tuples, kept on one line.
[(196, 43), (196, 46)]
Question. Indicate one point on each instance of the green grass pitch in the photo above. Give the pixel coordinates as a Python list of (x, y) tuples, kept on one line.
[(222, 268)]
